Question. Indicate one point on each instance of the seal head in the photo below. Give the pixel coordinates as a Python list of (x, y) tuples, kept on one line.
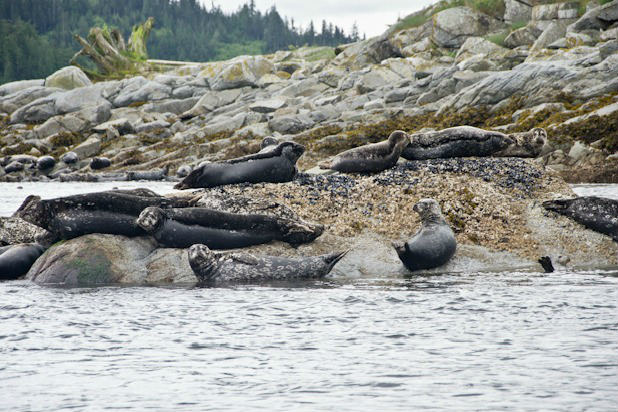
[(151, 219)]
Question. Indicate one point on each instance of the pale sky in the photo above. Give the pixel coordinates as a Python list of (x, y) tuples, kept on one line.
[(371, 16)]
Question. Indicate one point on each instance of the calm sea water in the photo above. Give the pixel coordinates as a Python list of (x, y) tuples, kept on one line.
[(509, 341)]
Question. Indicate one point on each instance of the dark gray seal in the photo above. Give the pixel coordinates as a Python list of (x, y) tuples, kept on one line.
[(97, 163), (45, 163), (112, 212), (467, 141), (181, 228), (370, 158), (69, 158), (150, 175), (213, 268), (596, 213), (274, 166), (16, 260), (433, 245)]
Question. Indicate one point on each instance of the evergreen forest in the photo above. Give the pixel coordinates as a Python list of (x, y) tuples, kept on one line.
[(37, 35)]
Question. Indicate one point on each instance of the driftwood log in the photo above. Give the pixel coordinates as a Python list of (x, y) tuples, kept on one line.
[(108, 50)]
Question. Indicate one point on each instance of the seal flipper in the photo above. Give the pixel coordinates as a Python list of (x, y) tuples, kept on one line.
[(244, 258), (334, 258)]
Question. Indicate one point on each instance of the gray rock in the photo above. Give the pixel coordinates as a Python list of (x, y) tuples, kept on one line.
[(609, 12), (150, 126), (176, 106), (525, 36), (591, 21), (374, 104), (453, 26), (287, 125), (566, 10), (14, 87), (76, 122), (516, 11), (121, 124), (14, 230), (211, 101), (226, 124), (142, 92), (267, 106), (555, 31), (91, 147), (242, 71), (608, 48), (22, 97), (67, 78), (579, 151)]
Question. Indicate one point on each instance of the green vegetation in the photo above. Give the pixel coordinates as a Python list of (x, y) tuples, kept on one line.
[(37, 36)]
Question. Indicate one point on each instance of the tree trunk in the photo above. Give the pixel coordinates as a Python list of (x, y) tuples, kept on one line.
[(108, 51)]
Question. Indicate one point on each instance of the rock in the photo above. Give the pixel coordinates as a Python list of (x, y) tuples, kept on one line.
[(477, 45), (121, 124), (67, 78), (150, 126), (14, 87), (609, 34), (516, 11), (76, 122), (591, 21), (226, 124), (141, 91), (210, 101), (609, 12), (578, 151), (14, 230), (91, 147), (566, 10), (453, 26), (267, 106), (288, 124), (22, 97), (242, 71), (374, 104), (555, 31), (608, 48), (525, 36)]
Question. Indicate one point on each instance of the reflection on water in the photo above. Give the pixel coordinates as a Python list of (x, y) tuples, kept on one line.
[(520, 341)]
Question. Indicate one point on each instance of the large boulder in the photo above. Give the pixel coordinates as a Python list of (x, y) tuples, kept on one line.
[(22, 97), (477, 45), (525, 36), (76, 122), (13, 87), (68, 78), (107, 259), (242, 71), (516, 11), (598, 18), (556, 30), (138, 90), (451, 27)]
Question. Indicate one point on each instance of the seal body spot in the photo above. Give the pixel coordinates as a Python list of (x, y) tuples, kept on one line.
[(16, 260), (596, 213), (433, 245), (223, 268), (467, 141), (272, 164), (181, 228), (371, 158)]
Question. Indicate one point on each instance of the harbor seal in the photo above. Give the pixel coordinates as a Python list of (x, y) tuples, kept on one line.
[(276, 165), (370, 158), (467, 141), (97, 163), (433, 245), (181, 228), (45, 163), (16, 260), (112, 212), (216, 268), (596, 213)]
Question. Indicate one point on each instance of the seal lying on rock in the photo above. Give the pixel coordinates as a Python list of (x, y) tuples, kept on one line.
[(433, 245), (112, 212), (274, 166), (16, 260), (374, 157), (212, 267), (181, 228), (596, 213), (467, 141)]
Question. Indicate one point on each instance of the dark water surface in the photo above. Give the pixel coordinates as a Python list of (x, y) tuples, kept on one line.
[(514, 341)]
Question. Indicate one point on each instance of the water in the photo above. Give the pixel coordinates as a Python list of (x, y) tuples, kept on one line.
[(493, 341)]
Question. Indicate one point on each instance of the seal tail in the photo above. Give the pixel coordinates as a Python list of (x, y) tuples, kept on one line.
[(333, 258)]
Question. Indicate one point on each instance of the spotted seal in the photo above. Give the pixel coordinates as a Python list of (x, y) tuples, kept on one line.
[(16, 260), (275, 165), (596, 213), (112, 212), (370, 158), (433, 245), (466, 141), (181, 228), (216, 268)]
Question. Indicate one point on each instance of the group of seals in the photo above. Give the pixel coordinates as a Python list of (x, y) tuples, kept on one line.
[(466, 141), (272, 164), (596, 213), (212, 268), (433, 245), (181, 228)]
